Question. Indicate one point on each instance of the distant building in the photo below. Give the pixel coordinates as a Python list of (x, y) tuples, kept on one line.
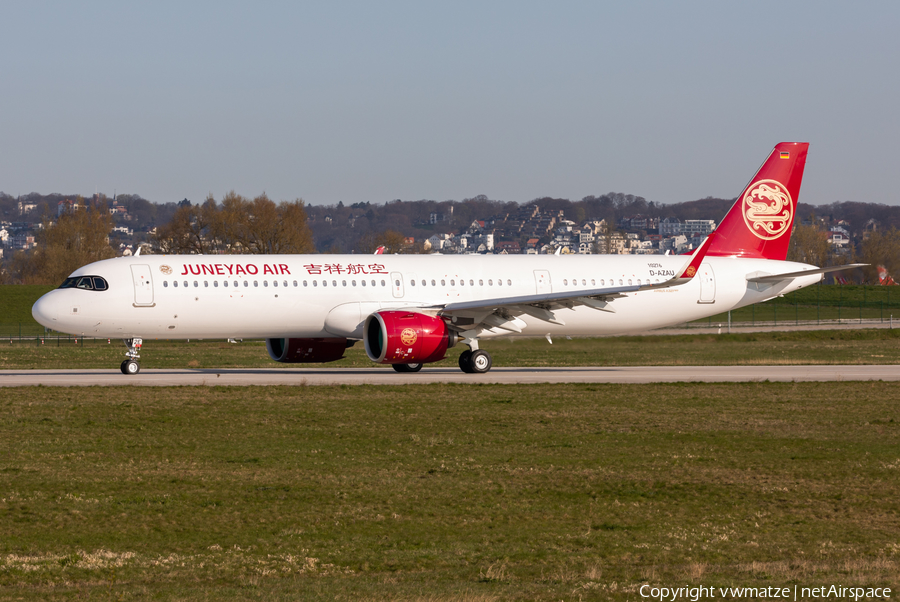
[(508, 246), (698, 227), (670, 226)]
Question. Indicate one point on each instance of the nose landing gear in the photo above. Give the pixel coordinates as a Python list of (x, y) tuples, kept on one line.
[(130, 366)]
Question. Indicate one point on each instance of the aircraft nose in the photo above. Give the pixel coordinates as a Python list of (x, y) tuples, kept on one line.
[(46, 310)]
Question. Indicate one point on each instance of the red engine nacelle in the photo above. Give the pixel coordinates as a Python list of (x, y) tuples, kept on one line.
[(305, 351), (404, 337)]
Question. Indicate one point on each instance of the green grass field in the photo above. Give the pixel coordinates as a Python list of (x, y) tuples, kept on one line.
[(772, 348), (776, 348), (445, 492)]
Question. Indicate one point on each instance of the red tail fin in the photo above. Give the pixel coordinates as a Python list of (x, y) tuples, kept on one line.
[(759, 223)]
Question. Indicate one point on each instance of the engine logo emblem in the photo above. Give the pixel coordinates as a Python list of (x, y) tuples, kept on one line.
[(408, 336), (767, 209), (165, 269)]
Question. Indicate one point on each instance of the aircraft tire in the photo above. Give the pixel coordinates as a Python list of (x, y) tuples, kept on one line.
[(480, 361), (130, 367), (407, 367), (465, 361)]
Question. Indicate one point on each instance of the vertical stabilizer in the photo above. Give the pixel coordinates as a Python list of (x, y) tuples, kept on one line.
[(760, 221)]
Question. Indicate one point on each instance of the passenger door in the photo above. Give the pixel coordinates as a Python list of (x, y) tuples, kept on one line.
[(707, 284), (542, 281), (143, 286)]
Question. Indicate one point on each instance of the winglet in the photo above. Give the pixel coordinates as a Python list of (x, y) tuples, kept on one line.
[(379, 250)]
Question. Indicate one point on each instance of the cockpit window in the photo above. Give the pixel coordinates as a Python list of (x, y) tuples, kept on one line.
[(86, 283)]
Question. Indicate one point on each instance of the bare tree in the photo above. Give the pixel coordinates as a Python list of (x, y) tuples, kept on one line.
[(77, 238), (391, 240), (810, 245), (238, 225), (880, 248)]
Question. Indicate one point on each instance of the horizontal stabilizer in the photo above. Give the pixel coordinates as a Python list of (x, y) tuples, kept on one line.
[(791, 275)]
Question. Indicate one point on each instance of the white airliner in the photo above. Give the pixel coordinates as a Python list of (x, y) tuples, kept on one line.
[(409, 309)]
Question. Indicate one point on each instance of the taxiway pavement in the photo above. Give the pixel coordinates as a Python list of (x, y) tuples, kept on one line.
[(385, 376)]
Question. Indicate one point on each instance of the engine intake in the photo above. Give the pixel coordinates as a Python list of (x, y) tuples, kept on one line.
[(403, 337), (305, 351)]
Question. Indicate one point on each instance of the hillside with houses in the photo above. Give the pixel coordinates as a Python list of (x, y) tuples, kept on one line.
[(611, 223)]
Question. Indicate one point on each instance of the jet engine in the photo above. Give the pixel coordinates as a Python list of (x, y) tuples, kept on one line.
[(404, 337), (304, 351)]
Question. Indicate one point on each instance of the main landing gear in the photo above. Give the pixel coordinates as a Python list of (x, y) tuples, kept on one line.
[(131, 366), (476, 361)]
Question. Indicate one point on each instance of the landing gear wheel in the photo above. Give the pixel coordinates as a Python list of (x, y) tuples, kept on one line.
[(407, 367), (465, 361), (480, 361), (130, 367)]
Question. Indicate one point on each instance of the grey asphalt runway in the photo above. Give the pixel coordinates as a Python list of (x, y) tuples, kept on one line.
[(382, 376)]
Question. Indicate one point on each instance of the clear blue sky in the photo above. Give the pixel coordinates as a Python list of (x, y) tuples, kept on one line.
[(372, 101)]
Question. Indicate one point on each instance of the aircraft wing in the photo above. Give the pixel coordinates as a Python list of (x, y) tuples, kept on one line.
[(502, 312)]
